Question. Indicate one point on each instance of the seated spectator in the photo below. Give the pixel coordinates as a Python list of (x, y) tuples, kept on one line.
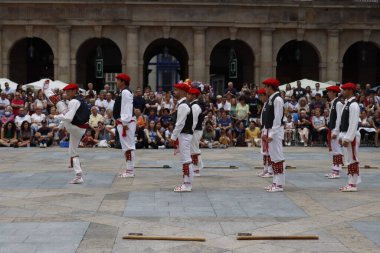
[(252, 135), (366, 127), (99, 102), (44, 135), (288, 92), (8, 115), (8, 135), (141, 120), (102, 111), (109, 121), (242, 111), (317, 103), (289, 130), (239, 134), (299, 92), (95, 118), (223, 104), (160, 128), (140, 136), (37, 119), (208, 137), (108, 102), (87, 140), (167, 102), (319, 127), (166, 118), (168, 134), (210, 117), (41, 102), (153, 137), (233, 108), (303, 105), (151, 103), (153, 116), (103, 136), (138, 100), (4, 102), (29, 103), (224, 123), (21, 117), (224, 140), (17, 102), (26, 135), (303, 125), (292, 106)]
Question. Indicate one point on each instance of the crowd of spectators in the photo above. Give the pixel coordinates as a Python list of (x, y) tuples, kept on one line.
[(231, 118)]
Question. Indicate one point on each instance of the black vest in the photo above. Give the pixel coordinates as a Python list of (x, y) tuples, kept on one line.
[(268, 113), (82, 114), (188, 128), (117, 106), (345, 121), (333, 115), (201, 116)]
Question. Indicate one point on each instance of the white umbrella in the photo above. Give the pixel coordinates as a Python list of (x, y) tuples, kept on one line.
[(13, 85), (36, 85), (305, 83), (53, 85)]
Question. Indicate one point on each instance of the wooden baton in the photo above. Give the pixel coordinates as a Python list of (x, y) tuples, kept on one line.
[(279, 237), (163, 238), (222, 167)]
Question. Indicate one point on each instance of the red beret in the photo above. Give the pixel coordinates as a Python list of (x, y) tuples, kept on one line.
[(123, 77), (195, 91), (348, 86), (271, 82), (182, 86), (261, 91), (333, 88), (71, 86)]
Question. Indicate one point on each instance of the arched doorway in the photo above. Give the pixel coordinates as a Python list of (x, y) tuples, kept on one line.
[(297, 60), (361, 63), (231, 60), (89, 67), (31, 59), (165, 63)]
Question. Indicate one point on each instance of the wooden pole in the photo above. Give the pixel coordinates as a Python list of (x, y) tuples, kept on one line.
[(221, 167), (279, 237), (163, 238)]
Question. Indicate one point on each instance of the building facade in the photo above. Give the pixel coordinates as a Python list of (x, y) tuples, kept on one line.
[(291, 39)]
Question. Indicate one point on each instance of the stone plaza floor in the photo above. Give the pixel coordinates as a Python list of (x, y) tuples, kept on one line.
[(41, 212)]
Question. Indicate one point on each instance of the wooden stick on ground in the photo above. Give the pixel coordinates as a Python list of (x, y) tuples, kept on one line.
[(221, 167), (278, 237), (154, 167), (163, 238)]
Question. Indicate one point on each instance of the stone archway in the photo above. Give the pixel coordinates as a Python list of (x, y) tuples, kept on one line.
[(297, 60), (31, 59), (221, 64), (361, 63), (165, 63), (86, 57)]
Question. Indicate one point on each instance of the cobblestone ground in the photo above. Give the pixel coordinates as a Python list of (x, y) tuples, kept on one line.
[(41, 212)]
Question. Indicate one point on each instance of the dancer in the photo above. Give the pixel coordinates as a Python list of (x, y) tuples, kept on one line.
[(267, 171), (183, 131), (126, 124), (349, 136), (272, 116), (333, 131), (198, 118), (75, 120)]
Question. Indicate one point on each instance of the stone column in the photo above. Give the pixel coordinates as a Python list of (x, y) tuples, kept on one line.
[(73, 71), (132, 55), (333, 56), (63, 68), (322, 72), (266, 64), (6, 68), (199, 56)]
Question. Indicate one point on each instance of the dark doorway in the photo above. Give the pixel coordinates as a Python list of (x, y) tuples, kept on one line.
[(31, 59), (165, 63), (89, 52), (297, 60), (221, 64), (361, 64)]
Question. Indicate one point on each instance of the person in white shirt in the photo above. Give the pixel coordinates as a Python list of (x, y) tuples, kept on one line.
[(317, 90), (90, 92), (8, 90), (126, 124), (272, 116), (37, 118), (349, 136), (183, 131), (21, 117), (108, 102), (100, 101), (198, 118), (4, 102)]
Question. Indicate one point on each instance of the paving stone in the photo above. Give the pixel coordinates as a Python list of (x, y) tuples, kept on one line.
[(370, 229)]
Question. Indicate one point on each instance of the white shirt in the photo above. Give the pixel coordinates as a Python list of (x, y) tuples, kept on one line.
[(196, 110), (314, 92), (109, 105), (126, 112), (19, 120), (339, 107), (38, 118), (99, 103), (226, 106), (4, 102), (182, 111), (353, 121)]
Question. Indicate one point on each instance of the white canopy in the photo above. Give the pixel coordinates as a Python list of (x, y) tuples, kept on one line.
[(13, 85), (53, 85), (305, 83)]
